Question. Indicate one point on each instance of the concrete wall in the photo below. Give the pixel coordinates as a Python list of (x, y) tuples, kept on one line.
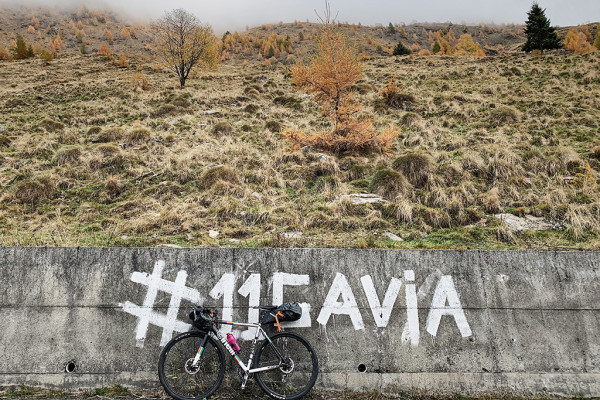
[(443, 321)]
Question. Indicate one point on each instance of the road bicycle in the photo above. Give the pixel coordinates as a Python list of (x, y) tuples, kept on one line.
[(192, 365)]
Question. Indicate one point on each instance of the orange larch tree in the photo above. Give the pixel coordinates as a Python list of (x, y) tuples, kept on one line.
[(329, 77)]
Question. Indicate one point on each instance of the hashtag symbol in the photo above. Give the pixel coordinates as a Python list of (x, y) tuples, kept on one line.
[(146, 314)]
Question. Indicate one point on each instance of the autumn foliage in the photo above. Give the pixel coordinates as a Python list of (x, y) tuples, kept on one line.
[(104, 50), (329, 77), (448, 45), (579, 40)]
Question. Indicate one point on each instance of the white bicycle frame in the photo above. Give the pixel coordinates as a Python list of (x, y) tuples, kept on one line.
[(215, 333)]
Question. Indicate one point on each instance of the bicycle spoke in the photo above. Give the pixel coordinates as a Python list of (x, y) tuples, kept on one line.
[(178, 374), (296, 373)]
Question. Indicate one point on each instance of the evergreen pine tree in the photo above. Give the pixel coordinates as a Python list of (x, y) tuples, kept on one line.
[(540, 35), (401, 50), (391, 29), (20, 51)]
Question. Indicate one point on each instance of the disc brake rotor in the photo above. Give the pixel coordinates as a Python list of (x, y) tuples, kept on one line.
[(190, 368)]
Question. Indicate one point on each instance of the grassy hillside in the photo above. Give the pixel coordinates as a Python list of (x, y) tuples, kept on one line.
[(86, 159), (90, 156)]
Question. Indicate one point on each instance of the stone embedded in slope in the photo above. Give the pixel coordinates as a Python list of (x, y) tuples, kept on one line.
[(526, 223), (391, 236), (363, 198)]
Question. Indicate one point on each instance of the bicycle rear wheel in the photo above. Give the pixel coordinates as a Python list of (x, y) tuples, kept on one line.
[(295, 375), (180, 378)]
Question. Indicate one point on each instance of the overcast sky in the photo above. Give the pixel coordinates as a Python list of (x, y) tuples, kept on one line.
[(236, 14)]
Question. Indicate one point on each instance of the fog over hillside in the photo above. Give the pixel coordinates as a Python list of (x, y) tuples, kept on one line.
[(236, 14)]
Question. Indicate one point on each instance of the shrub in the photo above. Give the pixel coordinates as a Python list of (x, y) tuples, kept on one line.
[(401, 50), (466, 46), (357, 137), (125, 34), (139, 136), (123, 63), (46, 55), (104, 50), (388, 183), (34, 191), (4, 55), (222, 128), (139, 81), (57, 45), (393, 96), (416, 167), (108, 35)]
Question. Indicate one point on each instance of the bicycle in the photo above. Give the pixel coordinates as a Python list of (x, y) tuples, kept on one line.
[(192, 364)]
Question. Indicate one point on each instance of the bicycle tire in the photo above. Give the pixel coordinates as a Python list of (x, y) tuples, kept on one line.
[(183, 382), (287, 382)]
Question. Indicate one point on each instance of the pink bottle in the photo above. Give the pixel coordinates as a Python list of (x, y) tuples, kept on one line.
[(233, 343)]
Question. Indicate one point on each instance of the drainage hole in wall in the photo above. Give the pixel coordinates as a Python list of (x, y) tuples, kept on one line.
[(362, 367), (70, 367)]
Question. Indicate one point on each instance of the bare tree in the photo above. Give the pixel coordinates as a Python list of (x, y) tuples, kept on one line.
[(182, 42)]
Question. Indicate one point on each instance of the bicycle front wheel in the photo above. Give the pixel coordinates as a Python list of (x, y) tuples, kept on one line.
[(180, 377), (295, 375)]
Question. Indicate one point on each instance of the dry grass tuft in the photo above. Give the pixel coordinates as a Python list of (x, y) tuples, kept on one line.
[(252, 108), (389, 183), (404, 210), (273, 126), (491, 201), (416, 166), (355, 136), (113, 134), (139, 82), (34, 191), (138, 136), (68, 155), (222, 128), (220, 174), (114, 186), (505, 115), (435, 217), (51, 126)]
